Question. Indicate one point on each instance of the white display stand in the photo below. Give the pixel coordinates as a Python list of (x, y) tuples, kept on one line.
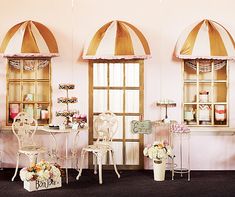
[(183, 143)]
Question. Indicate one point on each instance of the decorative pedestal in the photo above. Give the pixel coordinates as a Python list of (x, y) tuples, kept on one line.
[(41, 185), (183, 165), (159, 169)]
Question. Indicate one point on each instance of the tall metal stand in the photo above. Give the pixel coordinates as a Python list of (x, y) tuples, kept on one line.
[(180, 168)]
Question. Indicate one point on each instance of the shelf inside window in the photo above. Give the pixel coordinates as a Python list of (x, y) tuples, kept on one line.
[(190, 93), (28, 89), (190, 73), (210, 86)]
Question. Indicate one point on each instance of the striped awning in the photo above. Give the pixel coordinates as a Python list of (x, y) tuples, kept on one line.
[(117, 40), (205, 40), (29, 39)]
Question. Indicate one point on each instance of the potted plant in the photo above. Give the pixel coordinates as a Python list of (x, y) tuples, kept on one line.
[(42, 175), (158, 152)]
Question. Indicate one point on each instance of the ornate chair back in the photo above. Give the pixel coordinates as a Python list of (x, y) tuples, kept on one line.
[(105, 127), (24, 128)]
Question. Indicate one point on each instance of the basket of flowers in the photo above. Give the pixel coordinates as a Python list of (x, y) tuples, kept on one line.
[(40, 176)]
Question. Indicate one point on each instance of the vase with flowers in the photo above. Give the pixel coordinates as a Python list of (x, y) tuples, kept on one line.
[(158, 152), (40, 176)]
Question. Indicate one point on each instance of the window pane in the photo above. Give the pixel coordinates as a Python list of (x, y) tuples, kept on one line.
[(128, 120), (29, 109), (190, 73), (43, 73), (116, 74), (94, 133), (14, 92), (28, 93), (132, 74), (13, 72), (190, 116), (43, 89), (100, 74), (42, 113), (132, 153), (205, 75), (100, 100), (29, 69), (14, 109), (118, 153), (116, 100), (132, 101), (119, 133), (220, 74), (205, 93), (204, 114), (220, 92), (190, 92), (220, 114)]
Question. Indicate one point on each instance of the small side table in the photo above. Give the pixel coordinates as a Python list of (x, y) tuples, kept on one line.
[(181, 132), (68, 131)]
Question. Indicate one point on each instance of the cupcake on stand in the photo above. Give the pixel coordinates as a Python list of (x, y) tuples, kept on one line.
[(67, 113)]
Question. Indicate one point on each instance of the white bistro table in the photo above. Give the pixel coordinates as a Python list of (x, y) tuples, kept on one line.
[(66, 132)]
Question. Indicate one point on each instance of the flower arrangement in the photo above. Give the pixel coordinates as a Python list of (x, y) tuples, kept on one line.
[(80, 119), (158, 150), (179, 128), (41, 171)]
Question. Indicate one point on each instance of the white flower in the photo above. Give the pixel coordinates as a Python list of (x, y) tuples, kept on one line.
[(41, 171), (145, 151), (159, 150), (43, 175), (26, 175), (56, 174)]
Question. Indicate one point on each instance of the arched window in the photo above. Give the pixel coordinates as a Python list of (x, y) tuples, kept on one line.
[(116, 56)]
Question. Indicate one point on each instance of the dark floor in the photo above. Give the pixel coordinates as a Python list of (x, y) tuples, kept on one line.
[(131, 183)]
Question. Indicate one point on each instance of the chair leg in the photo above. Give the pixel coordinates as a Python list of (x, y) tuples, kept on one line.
[(17, 166), (95, 166), (114, 164), (99, 158), (81, 164), (32, 158)]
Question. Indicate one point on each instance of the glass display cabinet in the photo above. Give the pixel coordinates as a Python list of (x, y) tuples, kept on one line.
[(205, 86), (29, 89)]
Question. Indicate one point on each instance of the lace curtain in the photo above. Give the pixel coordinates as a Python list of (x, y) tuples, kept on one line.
[(205, 65), (29, 64)]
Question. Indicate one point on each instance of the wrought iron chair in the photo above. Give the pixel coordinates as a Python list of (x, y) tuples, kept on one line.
[(105, 126), (24, 128)]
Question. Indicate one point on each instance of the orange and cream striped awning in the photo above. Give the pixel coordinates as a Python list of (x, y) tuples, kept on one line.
[(206, 40), (117, 40), (29, 39)]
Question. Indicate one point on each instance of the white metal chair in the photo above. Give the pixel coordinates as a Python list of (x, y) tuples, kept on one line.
[(24, 128), (105, 126)]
